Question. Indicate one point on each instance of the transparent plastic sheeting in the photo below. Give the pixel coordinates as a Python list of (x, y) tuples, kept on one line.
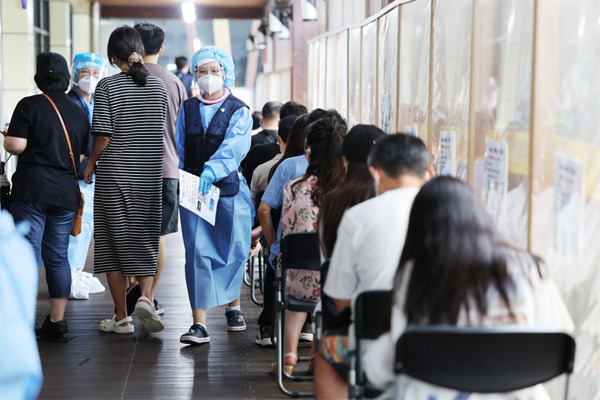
[(311, 75), (273, 85), (354, 80), (369, 74), (451, 87), (388, 70), (342, 73), (503, 62), (322, 69), (566, 176), (331, 74), (413, 74)]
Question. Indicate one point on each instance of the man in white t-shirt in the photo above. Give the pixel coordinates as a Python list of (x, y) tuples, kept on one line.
[(369, 242)]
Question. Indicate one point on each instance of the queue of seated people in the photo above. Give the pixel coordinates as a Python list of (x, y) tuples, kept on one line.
[(382, 222)]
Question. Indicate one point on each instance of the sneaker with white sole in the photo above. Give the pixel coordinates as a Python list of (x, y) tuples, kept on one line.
[(160, 309), (264, 337), (307, 334), (235, 320), (196, 335)]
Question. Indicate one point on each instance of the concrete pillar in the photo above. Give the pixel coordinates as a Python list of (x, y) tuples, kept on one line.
[(222, 34), (18, 59), (82, 33), (60, 28), (96, 29)]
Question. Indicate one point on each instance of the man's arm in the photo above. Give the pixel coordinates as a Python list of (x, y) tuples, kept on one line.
[(264, 216), (341, 304)]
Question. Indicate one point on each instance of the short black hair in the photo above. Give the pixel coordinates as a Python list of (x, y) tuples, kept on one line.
[(152, 36), (271, 109), (292, 108), (181, 62), (400, 154), (256, 120)]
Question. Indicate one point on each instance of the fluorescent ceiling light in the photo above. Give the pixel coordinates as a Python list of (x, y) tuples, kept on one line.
[(188, 10), (275, 25), (197, 44), (309, 11)]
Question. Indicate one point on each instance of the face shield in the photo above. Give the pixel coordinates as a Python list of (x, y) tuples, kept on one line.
[(88, 69)]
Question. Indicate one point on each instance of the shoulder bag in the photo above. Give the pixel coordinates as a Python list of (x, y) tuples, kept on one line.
[(77, 223)]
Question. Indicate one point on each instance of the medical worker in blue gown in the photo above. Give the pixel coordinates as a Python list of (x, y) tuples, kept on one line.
[(88, 69), (213, 137)]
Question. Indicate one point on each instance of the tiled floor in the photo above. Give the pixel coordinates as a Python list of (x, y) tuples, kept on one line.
[(96, 365)]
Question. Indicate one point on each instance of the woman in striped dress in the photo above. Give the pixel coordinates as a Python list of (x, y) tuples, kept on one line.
[(128, 126)]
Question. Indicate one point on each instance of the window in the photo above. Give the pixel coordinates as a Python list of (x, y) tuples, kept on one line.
[(41, 25)]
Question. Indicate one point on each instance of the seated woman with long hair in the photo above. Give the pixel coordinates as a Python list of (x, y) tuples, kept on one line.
[(456, 269), (301, 203)]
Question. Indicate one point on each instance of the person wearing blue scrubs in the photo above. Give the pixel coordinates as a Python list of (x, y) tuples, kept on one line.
[(213, 137), (88, 69)]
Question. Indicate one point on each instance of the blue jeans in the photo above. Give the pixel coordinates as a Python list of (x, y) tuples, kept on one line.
[(49, 237)]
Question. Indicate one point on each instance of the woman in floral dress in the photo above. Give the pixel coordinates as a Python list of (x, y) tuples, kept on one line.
[(301, 202)]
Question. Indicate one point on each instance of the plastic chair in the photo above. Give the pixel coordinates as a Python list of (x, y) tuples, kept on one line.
[(372, 310), (298, 251), (484, 360)]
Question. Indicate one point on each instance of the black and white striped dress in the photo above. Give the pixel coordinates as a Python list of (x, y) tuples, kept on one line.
[(127, 197)]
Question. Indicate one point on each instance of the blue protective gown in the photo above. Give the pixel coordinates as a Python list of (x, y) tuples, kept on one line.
[(215, 255), (20, 367)]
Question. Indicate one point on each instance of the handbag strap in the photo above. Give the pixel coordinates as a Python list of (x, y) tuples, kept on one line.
[(66, 134)]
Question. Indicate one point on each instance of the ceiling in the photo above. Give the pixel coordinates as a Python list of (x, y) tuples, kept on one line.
[(205, 9)]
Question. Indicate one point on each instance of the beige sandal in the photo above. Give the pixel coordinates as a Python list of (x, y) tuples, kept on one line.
[(288, 368), (145, 311)]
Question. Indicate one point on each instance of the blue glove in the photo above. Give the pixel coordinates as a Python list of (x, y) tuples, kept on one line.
[(206, 180)]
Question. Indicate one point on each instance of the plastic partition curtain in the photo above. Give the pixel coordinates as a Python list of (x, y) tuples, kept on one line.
[(503, 63), (369, 74), (331, 72), (413, 73), (566, 170), (312, 78), (322, 73), (451, 83), (341, 75), (354, 78), (388, 70)]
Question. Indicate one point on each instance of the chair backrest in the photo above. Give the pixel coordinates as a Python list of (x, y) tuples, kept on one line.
[(484, 360), (300, 250), (372, 310)]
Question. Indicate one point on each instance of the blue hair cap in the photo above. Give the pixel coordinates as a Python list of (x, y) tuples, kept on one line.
[(83, 60), (220, 55)]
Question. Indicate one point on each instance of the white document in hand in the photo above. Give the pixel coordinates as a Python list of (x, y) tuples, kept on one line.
[(204, 205)]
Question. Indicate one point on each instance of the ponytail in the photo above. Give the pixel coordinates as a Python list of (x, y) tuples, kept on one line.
[(125, 44), (138, 73)]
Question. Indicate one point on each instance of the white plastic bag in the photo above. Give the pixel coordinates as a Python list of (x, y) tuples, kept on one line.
[(84, 283)]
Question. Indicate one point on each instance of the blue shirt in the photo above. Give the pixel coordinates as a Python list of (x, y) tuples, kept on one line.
[(289, 169)]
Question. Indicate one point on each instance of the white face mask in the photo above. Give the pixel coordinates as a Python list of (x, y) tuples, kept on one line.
[(88, 84), (210, 83)]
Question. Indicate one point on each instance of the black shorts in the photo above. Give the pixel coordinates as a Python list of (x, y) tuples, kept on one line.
[(170, 206)]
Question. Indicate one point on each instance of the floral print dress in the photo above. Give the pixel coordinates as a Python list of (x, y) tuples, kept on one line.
[(299, 214)]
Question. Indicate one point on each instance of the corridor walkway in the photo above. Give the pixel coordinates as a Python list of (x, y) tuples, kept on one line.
[(96, 365)]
